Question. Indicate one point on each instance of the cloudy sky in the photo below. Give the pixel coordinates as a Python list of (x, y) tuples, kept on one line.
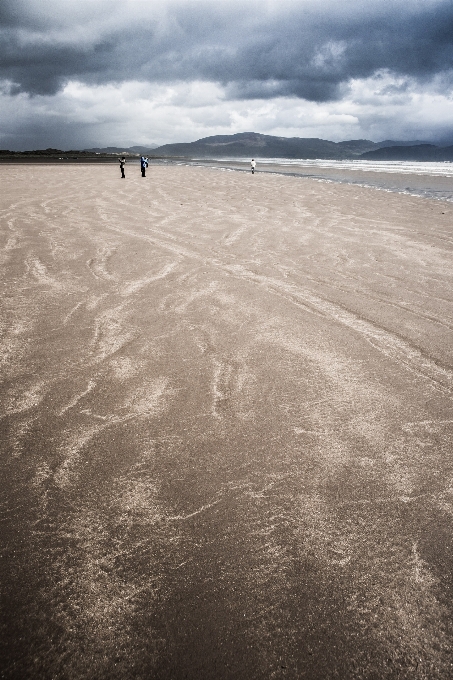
[(82, 73)]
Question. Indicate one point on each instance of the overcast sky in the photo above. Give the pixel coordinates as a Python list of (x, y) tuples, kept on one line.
[(82, 73)]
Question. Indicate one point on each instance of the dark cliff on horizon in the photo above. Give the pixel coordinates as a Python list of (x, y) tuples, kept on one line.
[(250, 144)]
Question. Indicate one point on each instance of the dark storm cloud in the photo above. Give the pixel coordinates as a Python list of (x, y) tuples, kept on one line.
[(303, 48)]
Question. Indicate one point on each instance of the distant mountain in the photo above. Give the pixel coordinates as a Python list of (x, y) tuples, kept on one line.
[(391, 142), (142, 148), (124, 149), (250, 144), (417, 152), (355, 147)]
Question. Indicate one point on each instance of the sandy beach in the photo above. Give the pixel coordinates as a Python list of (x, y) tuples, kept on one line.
[(226, 427)]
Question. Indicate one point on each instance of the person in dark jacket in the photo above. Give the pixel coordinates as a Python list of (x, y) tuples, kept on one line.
[(143, 165), (122, 162)]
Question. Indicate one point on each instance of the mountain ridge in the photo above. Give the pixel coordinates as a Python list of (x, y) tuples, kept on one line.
[(245, 144), (138, 148), (251, 144), (417, 152)]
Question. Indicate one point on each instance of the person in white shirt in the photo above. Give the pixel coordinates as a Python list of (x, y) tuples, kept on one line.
[(253, 166)]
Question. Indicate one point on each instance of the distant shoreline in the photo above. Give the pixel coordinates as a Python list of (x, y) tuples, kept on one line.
[(24, 158)]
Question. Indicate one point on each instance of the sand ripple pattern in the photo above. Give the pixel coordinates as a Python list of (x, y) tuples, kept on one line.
[(226, 427)]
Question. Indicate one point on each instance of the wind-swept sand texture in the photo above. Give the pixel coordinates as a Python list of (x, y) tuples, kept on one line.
[(226, 427)]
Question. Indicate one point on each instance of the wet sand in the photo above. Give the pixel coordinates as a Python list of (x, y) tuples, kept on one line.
[(424, 183), (226, 427)]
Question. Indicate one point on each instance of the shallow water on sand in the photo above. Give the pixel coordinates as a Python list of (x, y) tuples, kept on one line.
[(428, 180)]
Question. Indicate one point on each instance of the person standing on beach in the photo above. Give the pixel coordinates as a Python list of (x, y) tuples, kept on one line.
[(143, 165), (122, 162), (253, 166)]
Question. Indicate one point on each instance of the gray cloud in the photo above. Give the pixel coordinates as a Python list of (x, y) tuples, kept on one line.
[(305, 49)]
